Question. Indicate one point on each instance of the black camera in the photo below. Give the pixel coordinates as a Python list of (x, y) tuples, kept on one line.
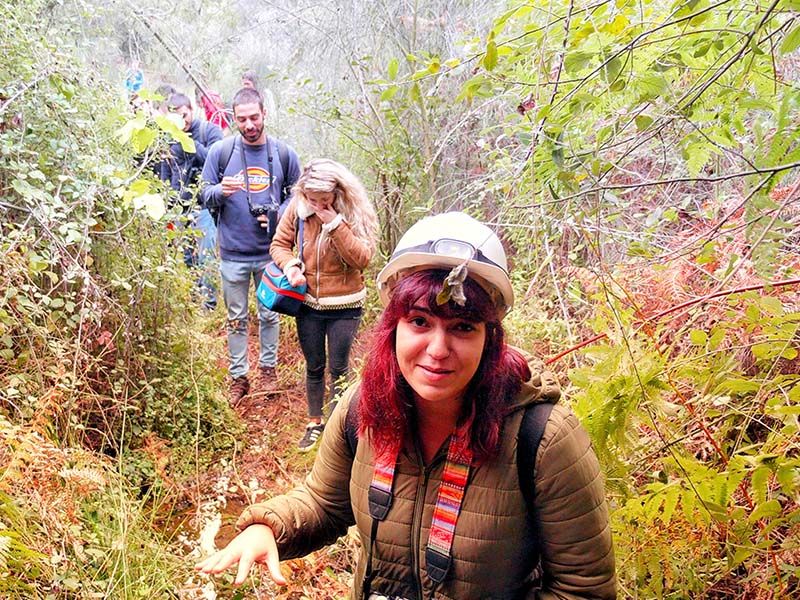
[(261, 209), (265, 209)]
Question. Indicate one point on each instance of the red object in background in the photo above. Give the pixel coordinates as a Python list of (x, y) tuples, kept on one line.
[(214, 108)]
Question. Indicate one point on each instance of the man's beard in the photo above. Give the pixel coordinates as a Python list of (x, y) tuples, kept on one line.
[(253, 135)]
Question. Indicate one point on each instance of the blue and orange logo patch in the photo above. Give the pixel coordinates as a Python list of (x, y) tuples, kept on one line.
[(259, 179)]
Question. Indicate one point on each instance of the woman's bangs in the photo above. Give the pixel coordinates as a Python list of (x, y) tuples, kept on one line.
[(425, 287)]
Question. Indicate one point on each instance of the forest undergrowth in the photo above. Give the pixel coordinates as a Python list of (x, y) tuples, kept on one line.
[(265, 463), (639, 159)]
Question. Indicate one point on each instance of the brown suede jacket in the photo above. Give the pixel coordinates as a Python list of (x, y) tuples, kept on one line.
[(494, 551), (333, 263)]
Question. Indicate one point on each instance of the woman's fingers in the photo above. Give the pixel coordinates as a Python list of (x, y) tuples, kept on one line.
[(245, 564), (207, 563), (273, 562), (217, 562), (220, 561), (326, 214)]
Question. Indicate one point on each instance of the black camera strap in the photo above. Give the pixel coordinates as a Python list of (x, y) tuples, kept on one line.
[(272, 215)]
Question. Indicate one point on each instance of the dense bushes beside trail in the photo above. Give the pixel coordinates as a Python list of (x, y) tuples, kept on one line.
[(105, 402)]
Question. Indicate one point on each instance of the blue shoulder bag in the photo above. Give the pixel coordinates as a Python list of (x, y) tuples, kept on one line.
[(274, 290)]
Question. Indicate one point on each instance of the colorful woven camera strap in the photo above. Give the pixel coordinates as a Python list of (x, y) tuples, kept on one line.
[(450, 495)]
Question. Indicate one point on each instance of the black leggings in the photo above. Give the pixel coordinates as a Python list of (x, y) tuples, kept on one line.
[(313, 328)]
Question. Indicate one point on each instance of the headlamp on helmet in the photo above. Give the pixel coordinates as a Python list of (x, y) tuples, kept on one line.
[(446, 241), (456, 248)]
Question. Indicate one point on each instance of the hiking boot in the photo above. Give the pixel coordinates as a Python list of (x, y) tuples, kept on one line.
[(312, 434), (267, 378), (240, 387)]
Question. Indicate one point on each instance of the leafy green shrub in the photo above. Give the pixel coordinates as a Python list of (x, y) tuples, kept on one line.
[(699, 445), (98, 325)]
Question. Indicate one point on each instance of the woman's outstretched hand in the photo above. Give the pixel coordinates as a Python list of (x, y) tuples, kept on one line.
[(254, 544)]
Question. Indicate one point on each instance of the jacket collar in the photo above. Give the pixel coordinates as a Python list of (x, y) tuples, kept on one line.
[(304, 211)]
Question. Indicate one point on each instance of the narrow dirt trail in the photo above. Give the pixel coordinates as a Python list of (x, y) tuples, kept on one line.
[(267, 463)]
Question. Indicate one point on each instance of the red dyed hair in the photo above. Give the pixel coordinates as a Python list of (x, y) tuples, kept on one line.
[(386, 401)]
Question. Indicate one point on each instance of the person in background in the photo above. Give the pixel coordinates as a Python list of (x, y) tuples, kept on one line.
[(214, 109), (182, 170), (250, 80), (432, 462), (134, 78), (243, 184), (156, 106), (164, 91), (339, 238)]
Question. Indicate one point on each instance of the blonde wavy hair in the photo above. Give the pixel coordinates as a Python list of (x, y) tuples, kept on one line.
[(350, 195)]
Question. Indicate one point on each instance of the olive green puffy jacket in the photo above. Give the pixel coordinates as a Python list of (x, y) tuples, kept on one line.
[(494, 550)]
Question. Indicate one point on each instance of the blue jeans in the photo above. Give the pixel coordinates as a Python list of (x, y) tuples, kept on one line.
[(236, 277), (200, 255)]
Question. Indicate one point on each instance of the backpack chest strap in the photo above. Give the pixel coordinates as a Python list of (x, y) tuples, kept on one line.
[(438, 556), (449, 497)]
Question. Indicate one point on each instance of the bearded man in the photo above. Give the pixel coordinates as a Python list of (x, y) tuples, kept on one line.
[(245, 183)]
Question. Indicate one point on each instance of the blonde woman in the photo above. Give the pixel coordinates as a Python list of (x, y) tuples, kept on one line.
[(339, 239)]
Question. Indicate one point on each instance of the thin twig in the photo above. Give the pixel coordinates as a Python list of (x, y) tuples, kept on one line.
[(23, 89), (645, 184)]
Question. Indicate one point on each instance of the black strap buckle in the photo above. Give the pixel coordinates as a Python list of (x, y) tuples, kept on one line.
[(437, 564), (379, 503)]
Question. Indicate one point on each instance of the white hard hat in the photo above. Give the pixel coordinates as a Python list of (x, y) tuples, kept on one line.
[(445, 241)]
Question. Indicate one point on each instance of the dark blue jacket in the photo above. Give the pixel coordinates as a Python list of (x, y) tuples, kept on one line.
[(241, 237)]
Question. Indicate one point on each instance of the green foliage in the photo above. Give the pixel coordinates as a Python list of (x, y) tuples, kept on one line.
[(623, 90), (695, 429), (632, 155), (722, 498), (91, 288), (16, 554), (99, 334)]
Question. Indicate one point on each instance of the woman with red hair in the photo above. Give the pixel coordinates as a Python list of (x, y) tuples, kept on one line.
[(464, 477)]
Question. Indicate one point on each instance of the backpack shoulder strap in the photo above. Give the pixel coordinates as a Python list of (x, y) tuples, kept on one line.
[(530, 435), (283, 156), (300, 236), (227, 146), (204, 133), (351, 424), (225, 153)]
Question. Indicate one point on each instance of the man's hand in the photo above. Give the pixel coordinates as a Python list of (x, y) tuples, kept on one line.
[(230, 185), (295, 276)]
